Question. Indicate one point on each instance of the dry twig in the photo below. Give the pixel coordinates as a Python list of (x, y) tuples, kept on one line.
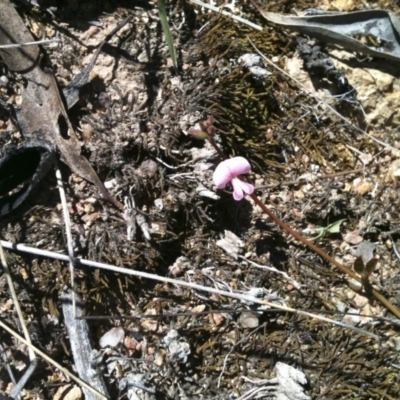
[(78, 332), (232, 294), (32, 357), (51, 361)]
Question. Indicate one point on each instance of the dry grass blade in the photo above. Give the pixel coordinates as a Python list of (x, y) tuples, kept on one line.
[(274, 270), (146, 275), (19, 45), (32, 358), (51, 361), (228, 14)]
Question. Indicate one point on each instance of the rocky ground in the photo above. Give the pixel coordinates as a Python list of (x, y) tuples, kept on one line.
[(309, 167)]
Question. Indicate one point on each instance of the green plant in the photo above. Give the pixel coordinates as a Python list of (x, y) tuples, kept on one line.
[(167, 32)]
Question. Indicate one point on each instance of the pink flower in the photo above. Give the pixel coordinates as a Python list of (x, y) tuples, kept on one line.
[(228, 171)]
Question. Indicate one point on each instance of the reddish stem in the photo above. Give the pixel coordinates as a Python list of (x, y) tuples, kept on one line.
[(378, 296), (370, 290), (216, 147)]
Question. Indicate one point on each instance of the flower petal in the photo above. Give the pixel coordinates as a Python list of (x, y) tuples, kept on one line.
[(248, 188), (222, 175), (237, 189), (238, 165)]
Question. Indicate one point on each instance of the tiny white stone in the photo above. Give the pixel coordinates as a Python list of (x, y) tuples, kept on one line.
[(112, 337), (110, 184), (248, 320)]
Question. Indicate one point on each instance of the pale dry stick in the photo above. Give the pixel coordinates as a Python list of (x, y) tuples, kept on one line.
[(146, 275), (171, 166), (7, 362), (32, 357), (228, 14), (321, 100), (78, 331), (361, 154), (19, 45), (51, 361), (67, 222), (81, 346)]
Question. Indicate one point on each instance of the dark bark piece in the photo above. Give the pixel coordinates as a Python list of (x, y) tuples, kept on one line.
[(42, 115), (338, 29), (321, 67), (12, 31)]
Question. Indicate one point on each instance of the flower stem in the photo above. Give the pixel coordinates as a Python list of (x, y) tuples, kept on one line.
[(217, 148), (368, 287), (378, 296)]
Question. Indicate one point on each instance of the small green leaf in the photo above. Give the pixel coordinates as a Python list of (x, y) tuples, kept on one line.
[(335, 227), (359, 266), (321, 234), (167, 32), (332, 228)]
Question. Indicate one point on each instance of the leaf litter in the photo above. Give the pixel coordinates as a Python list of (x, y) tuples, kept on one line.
[(135, 110)]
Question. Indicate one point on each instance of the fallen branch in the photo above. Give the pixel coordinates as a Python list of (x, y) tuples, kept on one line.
[(126, 271)]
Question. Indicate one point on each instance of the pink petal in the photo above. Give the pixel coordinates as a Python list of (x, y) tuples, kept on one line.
[(222, 175), (248, 188), (239, 187), (238, 165)]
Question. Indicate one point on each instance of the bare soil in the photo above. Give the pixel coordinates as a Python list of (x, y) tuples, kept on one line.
[(308, 166)]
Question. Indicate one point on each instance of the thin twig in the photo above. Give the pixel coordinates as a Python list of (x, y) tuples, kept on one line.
[(67, 222), (318, 177), (243, 339), (7, 362), (51, 361), (19, 45), (296, 284), (141, 274), (32, 357), (228, 14)]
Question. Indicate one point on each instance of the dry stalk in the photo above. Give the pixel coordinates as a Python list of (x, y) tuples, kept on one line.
[(146, 275), (228, 14), (51, 361), (32, 357), (81, 346), (20, 45), (67, 222)]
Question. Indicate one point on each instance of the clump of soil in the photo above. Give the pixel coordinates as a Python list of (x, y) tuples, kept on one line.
[(309, 167)]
